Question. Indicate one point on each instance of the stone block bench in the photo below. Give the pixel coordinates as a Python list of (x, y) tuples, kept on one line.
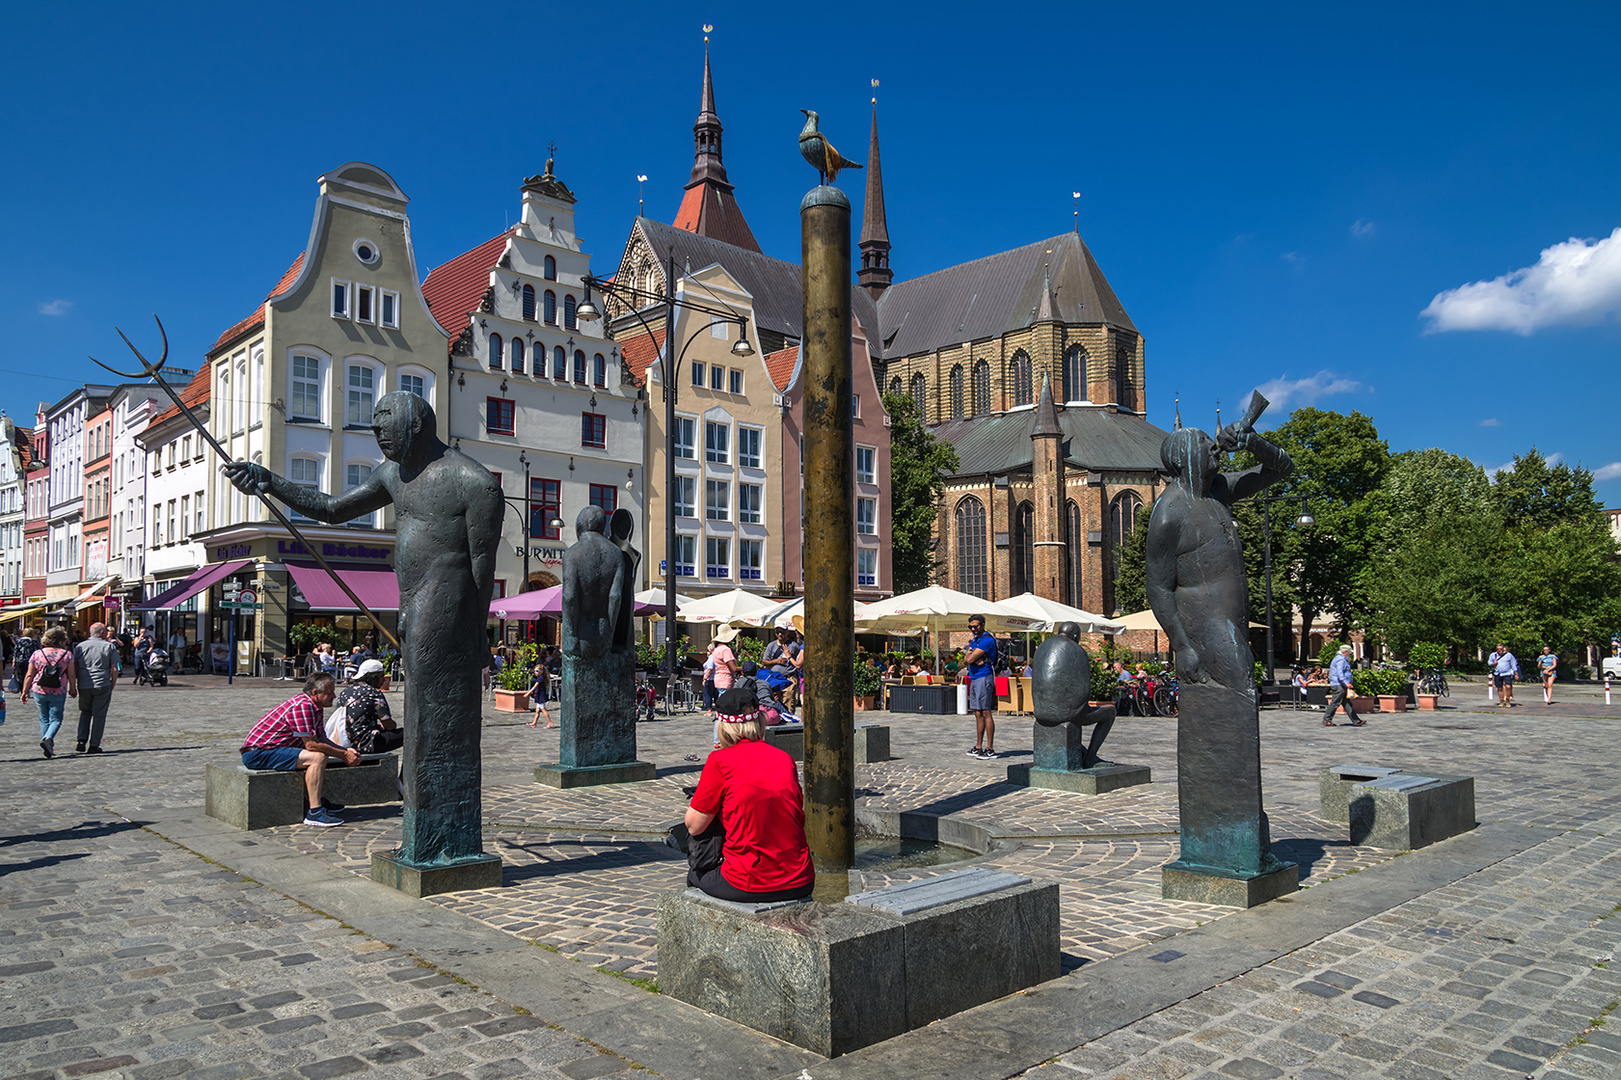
[(260, 799), (871, 741), (1397, 809), (833, 978)]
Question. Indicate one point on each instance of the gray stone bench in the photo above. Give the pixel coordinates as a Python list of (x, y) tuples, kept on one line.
[(260, 799), (879, 964), (871, 741), (1397, 809)]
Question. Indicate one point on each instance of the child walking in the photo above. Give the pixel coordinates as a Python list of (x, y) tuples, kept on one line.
[(537, 694)]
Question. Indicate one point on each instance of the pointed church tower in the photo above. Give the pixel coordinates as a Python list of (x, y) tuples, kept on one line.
[(875, 274), (708, 207), (1050, 570)]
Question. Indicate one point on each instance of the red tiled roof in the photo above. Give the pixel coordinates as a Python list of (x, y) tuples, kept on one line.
[(780, 366), (257, 319), (709, 211), (640, 352), (196, 391), (454, 289)]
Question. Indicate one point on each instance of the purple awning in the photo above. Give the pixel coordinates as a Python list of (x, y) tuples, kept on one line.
[(545, 604), (191, 586), (379, 589)]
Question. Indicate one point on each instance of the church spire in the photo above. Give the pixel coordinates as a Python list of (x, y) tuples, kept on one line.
[(875, 274), (708, 207)]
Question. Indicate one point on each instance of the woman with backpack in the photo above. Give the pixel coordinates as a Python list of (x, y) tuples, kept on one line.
[(50, 677)]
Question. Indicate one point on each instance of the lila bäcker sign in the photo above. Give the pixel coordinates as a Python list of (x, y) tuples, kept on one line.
[(293, 547)]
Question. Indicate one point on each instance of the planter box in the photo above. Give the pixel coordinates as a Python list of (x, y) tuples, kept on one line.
[(511, 701), (1427, 701), (1392, 703), (865, 704), (1364, 704)]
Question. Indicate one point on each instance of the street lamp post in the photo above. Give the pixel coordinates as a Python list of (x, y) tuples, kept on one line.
[(1305, 518), (669, 364)]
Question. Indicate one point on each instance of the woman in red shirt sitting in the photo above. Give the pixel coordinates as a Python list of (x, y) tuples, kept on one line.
[(744, 833)]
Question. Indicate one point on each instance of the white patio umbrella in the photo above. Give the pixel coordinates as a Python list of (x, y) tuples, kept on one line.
[(723, 607), (1053, 613), (1144, 620), (940, 610), (783, 614), (656, 598)]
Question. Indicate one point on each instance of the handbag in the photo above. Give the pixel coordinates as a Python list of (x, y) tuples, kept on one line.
[(337, 728)]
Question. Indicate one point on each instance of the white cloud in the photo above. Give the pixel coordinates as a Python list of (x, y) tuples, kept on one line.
[(1576, 283), (1491, 421), (55, 307), (1284, 392), (1612, 471), (1361, 228)]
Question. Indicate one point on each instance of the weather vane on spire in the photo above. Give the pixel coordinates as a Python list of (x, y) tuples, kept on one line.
[(707, 31), (875, 87), (1076, 195)]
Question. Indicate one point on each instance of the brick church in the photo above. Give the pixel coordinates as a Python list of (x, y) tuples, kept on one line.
[(1025, 361)]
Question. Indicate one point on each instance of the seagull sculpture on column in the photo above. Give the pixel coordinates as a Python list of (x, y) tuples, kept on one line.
[(822, 155)]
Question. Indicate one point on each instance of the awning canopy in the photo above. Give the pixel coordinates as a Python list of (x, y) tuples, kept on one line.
[(190, 586), (379, 589), (92, 596), (19, 612), (545, 604)]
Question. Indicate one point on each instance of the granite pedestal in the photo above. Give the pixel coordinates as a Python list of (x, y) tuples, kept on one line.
[(1395, 809), (481, 872), (871, 741), (597, 740), (836, 977), (1058, 758), (261, 799), (1179, 881)]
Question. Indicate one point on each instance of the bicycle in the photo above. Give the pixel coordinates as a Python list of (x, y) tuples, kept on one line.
[(1166, 695), (1432, 681)]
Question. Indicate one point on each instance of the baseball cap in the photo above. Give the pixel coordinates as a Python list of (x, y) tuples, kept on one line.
[(369, 667)]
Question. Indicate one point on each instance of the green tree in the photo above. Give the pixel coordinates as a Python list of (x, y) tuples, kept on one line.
[(1428, 577), (1131, 581), (918, 466), (1340, 462), (1535, 493)]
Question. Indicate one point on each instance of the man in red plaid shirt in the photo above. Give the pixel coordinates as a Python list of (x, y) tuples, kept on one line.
[(291, 736)]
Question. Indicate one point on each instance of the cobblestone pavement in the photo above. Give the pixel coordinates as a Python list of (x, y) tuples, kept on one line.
[(584, 869)]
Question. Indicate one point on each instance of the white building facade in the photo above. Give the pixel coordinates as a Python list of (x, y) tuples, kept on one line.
[(538, 396), (133, 409), (11, 514), (65, 422)]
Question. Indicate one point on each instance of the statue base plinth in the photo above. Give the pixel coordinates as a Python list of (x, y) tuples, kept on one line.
[(573, 776), (479, 872), (1179, 881), (1095, 781)]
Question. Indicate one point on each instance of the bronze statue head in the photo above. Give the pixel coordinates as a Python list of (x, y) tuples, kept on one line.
[(1190, 455), (399, 421), (592, 519), (1070, 630)]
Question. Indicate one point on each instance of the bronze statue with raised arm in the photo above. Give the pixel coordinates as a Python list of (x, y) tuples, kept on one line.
[(1197, 588), (447, 513)]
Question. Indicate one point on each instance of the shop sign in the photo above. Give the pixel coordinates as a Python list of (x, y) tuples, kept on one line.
[(234, 551), (334, 551), (548, 556)]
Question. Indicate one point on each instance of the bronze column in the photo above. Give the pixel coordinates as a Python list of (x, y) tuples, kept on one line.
[(829, 531)]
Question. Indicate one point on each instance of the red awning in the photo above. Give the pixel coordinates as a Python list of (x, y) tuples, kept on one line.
[(191, 586), (380, 589)]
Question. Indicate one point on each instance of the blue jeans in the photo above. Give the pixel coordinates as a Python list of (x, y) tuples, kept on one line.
[(50, 713)]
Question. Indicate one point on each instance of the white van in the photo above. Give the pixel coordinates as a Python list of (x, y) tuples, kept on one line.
[(1611, 665)]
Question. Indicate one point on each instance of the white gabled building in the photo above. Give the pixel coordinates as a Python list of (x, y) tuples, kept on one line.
[(12, 457), (133, 406), (537, 396)]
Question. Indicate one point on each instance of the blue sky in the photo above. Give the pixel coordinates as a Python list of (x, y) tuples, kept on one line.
[(1277, 193)]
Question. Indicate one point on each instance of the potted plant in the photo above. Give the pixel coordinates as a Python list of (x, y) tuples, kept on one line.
[(512, 681), (1427, 656), (1392, 689), (868, 684), (304, 637), (1365, 691)]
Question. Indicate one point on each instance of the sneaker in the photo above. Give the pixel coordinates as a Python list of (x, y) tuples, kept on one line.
[(93, 750), (45, 745), (987, 754), (78, 748), (975, 752), (329, 805), (322, 818)]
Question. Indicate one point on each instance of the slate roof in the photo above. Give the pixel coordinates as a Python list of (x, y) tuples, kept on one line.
[(775, 284), (1095, 439), (989, 297), (257, 319), (453, 289)]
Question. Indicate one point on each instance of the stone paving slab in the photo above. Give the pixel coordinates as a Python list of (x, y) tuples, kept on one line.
[(1535, 766)]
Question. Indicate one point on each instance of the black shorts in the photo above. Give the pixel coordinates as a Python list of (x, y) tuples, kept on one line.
[(1501, 681)]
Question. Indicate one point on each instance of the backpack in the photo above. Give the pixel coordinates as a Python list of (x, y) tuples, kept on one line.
[(50, 673)]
